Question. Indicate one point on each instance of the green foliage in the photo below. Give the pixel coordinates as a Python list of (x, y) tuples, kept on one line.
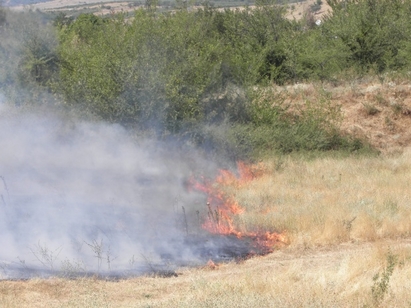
[(173, 73), (266, 31), (194, 74), (315, 56), (382, 280), (62, 19), (315, 7), (167, 69), (279, 127), (38, 63), (375, 31), (28, 59)]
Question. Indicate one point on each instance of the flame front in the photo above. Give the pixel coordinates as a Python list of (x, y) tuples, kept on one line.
[(221, 208)]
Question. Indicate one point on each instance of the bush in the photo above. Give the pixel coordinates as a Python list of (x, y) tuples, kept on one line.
[(189, 74), (279, 127), (375, 32), (28, 58)]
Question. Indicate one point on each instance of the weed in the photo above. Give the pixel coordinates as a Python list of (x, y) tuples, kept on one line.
[(3, 267), (381, 280), (389, 123), (391, 207), (22, 262), (397, 108), (380, 99), (45, 256), (72, 268), (97, 248), (131, 262), (371, 109), (348, 223)]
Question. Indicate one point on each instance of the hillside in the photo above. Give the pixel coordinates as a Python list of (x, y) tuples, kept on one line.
[(94, 213), (374, 110)]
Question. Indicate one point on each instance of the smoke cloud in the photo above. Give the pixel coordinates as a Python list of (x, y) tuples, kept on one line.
[(81, 197)]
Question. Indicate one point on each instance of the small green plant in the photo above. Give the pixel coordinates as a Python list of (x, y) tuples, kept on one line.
[(380, 99), (397, 108), (371, 109), (382, 280)]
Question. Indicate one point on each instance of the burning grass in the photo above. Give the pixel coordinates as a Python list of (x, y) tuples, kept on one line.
[(343, 219), (312, 202), (329, 200), (223, 210)]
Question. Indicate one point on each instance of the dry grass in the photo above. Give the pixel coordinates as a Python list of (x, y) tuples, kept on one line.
[(330, 262), (330, 200), (341, 277)]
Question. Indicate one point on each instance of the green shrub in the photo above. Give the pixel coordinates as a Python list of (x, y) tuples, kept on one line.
[(189, 75), (375, 31), (312, 127), (28, 57)]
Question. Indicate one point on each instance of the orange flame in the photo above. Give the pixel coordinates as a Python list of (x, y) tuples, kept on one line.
[(222, 208), (212, 265)]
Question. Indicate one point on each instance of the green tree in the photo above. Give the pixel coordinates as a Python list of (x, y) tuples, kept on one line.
[(28, 58), (373, 30)]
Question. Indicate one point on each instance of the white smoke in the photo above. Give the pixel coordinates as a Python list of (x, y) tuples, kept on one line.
[(89, 197)]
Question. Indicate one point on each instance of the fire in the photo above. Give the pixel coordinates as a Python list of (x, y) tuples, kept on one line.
[(222, 208), (212, 265), (246, 173)]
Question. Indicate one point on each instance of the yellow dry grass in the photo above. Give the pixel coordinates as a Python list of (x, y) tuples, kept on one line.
[(343, 217), (339, 277), (330, 200)]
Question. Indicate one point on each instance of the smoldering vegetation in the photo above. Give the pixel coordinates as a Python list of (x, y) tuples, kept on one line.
[(82, 195), (78, 196)]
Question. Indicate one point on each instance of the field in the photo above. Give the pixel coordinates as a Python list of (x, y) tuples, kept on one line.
[(346, 219), (341, 221)]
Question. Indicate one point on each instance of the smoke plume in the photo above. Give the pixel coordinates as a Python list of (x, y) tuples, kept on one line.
[(81, 197)]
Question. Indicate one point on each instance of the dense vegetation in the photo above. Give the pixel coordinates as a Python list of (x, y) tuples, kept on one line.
[(202, 76)]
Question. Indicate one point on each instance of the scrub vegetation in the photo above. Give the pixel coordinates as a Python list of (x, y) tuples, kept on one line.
[(204, 76)]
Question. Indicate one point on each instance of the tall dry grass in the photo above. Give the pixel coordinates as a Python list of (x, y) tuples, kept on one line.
[(329, 200)]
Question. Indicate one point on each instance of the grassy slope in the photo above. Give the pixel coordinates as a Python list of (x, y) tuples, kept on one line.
[(378, 110)]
